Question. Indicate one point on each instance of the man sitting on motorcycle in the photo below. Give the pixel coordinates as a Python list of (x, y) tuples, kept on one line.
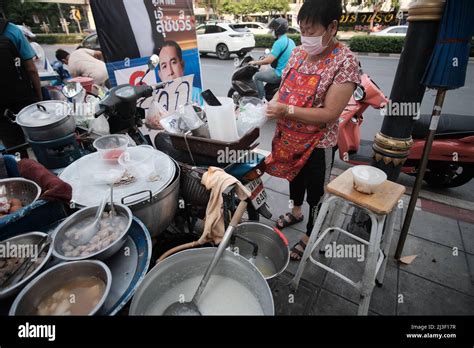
[(278, 58)]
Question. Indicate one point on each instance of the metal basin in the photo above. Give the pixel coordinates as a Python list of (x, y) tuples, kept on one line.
[(157, 212), (25, 190), (59, 234), (191, 263), (27, 242), (56, 277), (273, 254)]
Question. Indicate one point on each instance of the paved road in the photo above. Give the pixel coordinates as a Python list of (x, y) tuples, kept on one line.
[(217, 76)]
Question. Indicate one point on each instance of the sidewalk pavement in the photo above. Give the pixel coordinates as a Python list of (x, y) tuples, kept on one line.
[(439, 281)]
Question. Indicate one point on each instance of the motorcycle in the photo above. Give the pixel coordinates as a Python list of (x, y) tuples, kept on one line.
[(243, 85), (451, 160)]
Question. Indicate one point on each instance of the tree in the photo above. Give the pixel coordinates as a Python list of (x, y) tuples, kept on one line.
[(272, 6)]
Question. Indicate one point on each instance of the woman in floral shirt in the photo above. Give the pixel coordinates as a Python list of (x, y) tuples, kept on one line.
[(317, 84)]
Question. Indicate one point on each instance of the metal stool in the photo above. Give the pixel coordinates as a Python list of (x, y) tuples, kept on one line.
[(380, 208)]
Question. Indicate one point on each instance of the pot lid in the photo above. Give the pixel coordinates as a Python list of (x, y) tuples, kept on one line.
[(43, 113), (90, 176)]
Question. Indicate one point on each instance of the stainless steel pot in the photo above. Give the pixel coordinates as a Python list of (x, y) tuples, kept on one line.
[(191, 263), (273, 254), (59, 237), (26, 303), (156, 212), (46, 120)]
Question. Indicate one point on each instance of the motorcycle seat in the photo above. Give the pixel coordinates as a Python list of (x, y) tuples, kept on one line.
[(450, 126)]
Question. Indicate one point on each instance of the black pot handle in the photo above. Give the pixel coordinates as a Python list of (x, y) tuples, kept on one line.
[(9, 115), (41, 107)]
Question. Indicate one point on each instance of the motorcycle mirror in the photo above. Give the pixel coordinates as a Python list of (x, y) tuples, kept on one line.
[(267, 51), (72, 89), (359, 93), (153, 62)]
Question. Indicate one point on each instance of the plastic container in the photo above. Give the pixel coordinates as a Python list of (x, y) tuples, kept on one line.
[(367, 179), (221, 120), (138, 161), (111, 147), (86, 82)]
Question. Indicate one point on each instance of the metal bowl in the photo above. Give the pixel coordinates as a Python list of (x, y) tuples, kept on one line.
[(59, 234), (25, 190), (28, 242), (54, 278)]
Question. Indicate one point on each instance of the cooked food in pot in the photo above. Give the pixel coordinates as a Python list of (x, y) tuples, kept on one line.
[(77, 297)]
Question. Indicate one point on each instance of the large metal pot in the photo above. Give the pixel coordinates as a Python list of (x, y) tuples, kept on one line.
[(48, 120), (191, 263), (273, 255), (156, 212)]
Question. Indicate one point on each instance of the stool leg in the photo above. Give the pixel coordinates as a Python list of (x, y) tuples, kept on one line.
[(334, 214), (368, 278), (312, 239), (388, 231)]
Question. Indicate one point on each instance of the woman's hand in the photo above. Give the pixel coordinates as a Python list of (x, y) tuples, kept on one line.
[(276, 110)]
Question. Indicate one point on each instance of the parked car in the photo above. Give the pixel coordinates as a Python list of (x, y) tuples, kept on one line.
[(223, 39), (91, 41), (255, 28), (397, 30)]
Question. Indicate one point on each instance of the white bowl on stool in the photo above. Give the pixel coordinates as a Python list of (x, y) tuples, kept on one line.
[(367, 179)]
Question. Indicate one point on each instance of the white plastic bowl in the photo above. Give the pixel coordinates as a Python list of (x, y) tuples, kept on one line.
[(368, 179)]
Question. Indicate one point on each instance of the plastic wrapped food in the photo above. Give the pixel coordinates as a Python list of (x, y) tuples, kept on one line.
[(252, 114)]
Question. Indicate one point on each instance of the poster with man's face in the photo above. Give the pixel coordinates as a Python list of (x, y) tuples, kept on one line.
[(130, 31)]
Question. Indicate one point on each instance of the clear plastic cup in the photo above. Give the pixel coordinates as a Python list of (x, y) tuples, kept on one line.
[(138, 161), (110, 147)]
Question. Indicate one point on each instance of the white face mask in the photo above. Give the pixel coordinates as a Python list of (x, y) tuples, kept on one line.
[(274, 34), (313, 44)]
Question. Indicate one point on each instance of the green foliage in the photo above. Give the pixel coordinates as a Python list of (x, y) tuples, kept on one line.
[(246, 7), (51, 39), (377, 44), (266, 41)]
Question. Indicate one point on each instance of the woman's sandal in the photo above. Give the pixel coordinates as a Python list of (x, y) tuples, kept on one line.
[(298, 252), (282, 222)]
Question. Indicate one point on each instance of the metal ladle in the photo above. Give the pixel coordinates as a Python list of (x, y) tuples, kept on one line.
[(191, 308), (89, 231)]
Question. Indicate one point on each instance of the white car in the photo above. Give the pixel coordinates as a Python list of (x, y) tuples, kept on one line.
[(255, 28), (398, 30), (223, 40)]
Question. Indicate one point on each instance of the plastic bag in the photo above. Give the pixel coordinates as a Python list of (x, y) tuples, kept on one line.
[(182, 121), (154, 114), (100, 125), (252, 114), (190, 117)]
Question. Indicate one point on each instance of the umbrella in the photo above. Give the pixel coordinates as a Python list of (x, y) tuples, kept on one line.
[(446, 70)]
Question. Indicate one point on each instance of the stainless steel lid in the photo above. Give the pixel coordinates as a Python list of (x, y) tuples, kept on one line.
[(89, 177), (43, 113)]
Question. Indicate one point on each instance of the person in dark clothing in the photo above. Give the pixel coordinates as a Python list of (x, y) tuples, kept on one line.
[(20, 84)]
